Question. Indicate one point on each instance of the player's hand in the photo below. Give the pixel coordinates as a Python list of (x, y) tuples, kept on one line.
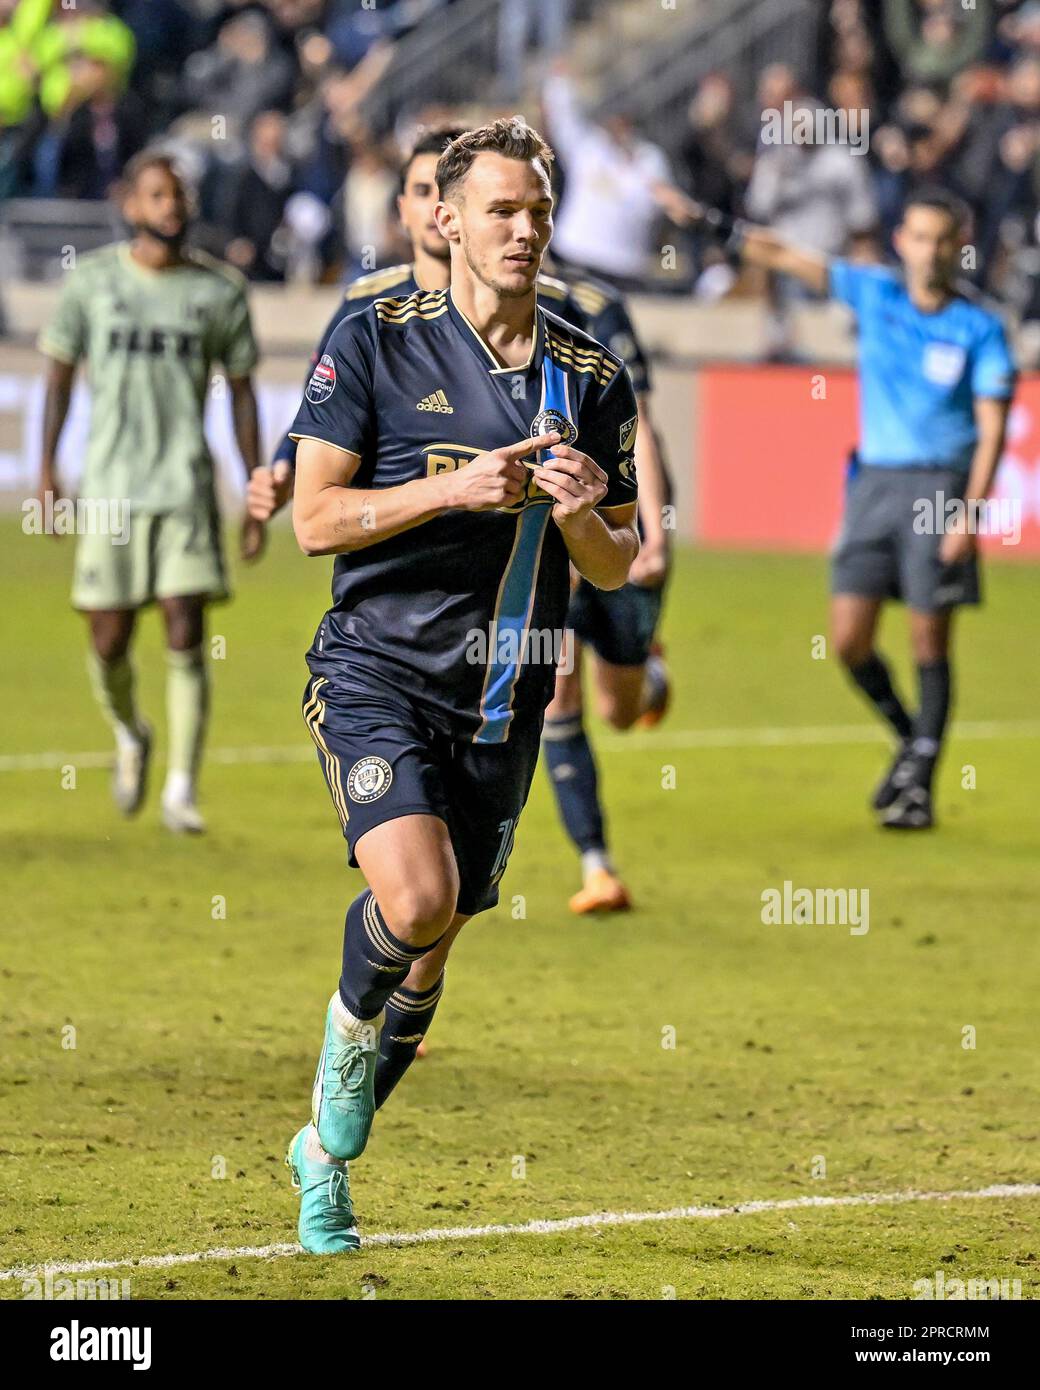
[(650, 567), (50, 483), (576, 482), (957, 546), (268, 491), (252, 540), (495, 479)]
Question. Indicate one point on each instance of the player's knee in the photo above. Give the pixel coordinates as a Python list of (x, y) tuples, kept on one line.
[(852, 648), (420, 911)]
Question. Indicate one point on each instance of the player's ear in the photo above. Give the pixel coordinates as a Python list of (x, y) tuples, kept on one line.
[(446, 215)]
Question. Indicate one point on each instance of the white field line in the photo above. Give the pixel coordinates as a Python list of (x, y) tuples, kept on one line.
[(594, 1220), (785, 736)]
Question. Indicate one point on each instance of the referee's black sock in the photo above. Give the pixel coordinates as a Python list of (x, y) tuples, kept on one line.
[(874, 680), (409, 1013), (930, 725)]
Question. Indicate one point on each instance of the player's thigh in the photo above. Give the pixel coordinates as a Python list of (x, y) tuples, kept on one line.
[(111, 631), (409, 864), (853, 624), (188, 554), (567, 693), (185, 620), (383, 769)]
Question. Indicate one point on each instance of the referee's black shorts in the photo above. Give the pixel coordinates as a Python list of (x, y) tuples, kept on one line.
[(890, 537)]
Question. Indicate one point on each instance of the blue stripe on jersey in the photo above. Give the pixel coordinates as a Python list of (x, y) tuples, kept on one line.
[(516, 593)]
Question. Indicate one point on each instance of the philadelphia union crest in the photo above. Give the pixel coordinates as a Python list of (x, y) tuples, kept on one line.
[(368, 779), (554, 422)]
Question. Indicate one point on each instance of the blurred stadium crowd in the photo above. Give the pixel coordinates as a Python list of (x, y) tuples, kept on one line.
[(266, 103)]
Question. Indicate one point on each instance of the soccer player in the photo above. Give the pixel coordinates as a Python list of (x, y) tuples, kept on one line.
[(630, 677), (629, 674), (150, 316), (454, 532), (936, 381)]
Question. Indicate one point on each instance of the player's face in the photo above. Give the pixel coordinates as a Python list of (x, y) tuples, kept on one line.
[(502, 222), (158, 204), (416, 204), (928, 242)]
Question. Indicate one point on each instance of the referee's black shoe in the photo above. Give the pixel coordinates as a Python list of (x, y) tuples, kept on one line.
[(911, 810), (901, 774)]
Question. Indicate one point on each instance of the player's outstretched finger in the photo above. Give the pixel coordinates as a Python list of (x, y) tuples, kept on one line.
[(527, 446)]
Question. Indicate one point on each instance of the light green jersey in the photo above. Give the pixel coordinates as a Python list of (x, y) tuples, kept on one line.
[(150, 338)]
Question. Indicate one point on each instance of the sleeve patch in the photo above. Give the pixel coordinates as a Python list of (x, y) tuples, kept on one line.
[(627, 435), (322, 382)]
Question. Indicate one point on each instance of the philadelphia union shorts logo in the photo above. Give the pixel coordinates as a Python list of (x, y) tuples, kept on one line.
[(323, 382), (553, 422), (368, 779)]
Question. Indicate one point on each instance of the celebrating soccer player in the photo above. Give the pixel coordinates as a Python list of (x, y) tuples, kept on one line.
[(630, 677), (454, 530), (936, 380), (150, 316)]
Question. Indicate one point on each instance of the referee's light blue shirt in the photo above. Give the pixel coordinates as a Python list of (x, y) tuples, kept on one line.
[(920, 372)]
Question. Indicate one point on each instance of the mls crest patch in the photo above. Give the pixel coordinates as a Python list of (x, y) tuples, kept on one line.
[(368, 779), (554, 422), (323, 381), (627, 435)]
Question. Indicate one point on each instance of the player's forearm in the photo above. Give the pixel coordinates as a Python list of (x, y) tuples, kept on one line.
[(600, 553), (55, 412), (653, 483), (337, 520), (246, 422)]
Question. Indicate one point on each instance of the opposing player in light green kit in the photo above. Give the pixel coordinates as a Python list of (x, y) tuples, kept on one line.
[(150, 317)]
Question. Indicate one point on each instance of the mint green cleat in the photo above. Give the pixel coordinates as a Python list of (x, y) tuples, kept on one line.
[(343, 1101), (326, 1225)]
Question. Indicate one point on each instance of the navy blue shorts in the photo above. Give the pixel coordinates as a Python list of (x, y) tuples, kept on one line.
[(618, 624), (381, 759)]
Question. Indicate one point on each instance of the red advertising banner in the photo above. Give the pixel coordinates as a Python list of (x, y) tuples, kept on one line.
[(773, 444)]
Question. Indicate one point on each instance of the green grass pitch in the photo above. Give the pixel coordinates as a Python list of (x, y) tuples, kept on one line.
[(807, 1061)]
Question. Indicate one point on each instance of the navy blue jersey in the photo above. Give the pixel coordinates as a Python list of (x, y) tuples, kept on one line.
[(398, 281), (464, 611)]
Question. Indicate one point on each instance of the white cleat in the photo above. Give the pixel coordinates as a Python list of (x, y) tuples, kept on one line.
[(182, 817), (130, 774)]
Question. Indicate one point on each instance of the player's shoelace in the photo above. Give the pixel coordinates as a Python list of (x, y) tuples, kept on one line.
[(349, 1066)]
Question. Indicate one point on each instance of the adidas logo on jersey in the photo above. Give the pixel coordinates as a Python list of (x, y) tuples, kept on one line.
[(437, 401)]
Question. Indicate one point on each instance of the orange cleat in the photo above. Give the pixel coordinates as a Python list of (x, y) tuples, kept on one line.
[(420, 1051), (657, 689), (603, 892)]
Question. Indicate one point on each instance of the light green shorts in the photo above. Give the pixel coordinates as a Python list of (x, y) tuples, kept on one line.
[(165, 556)]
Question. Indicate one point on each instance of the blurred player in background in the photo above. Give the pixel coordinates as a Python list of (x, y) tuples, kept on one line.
[(631, 679), (150, 316), (435, 462), (936, 381)]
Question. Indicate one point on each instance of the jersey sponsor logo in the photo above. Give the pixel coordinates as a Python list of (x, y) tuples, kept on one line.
[(627, 435), (554, 422), (368, 779), (436, 401), (323, 381), (944, 363)]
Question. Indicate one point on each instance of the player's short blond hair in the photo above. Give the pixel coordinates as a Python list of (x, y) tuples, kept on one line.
[(510, 136)]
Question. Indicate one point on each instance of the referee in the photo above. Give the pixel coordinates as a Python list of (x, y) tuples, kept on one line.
[(936, 380)]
